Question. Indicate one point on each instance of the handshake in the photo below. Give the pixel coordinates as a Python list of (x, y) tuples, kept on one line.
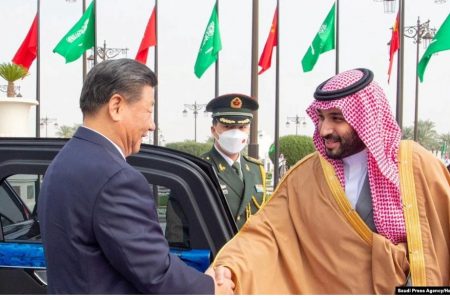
[(222, 280)]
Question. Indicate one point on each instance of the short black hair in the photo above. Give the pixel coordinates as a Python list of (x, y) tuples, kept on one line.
[(122, 76)]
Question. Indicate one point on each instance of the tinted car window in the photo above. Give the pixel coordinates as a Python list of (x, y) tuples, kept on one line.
[(10, 211), (17, 203), (25, 187), (160, 195)]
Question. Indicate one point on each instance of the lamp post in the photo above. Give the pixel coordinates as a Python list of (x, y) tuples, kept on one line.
[(195, 109), (108, 53), (297, 120), (400, 60), (46, 121), (420, 32), (105, 53)]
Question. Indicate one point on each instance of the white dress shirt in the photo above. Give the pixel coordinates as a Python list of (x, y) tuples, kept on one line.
[(227, 159), (115, 145), (355, 171)]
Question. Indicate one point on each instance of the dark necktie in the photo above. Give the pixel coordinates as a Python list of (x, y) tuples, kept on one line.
[(237, 168)]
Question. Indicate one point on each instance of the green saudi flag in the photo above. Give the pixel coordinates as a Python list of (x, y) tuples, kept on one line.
[(440, 42), (323, 42), (210, 46), (79, 38)]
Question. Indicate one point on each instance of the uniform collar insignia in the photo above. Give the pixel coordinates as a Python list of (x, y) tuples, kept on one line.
[(222, 168)]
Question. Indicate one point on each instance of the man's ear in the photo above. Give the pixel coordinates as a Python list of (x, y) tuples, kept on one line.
[(214, 132), (115, 107)]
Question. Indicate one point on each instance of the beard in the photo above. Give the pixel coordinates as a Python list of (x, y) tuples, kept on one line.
[(349, 144)]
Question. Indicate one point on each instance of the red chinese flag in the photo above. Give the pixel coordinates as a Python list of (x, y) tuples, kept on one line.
[(148, 40), (266, 56), (394, 45), (28, 50)]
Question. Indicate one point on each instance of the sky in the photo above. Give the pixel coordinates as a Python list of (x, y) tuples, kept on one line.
[(363, 36)]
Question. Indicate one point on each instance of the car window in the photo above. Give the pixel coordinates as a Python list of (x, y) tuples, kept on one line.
[(172, 215), (10, 210), (25, 187), (18, 196), (161, 196), (177, 224), (17, 203)]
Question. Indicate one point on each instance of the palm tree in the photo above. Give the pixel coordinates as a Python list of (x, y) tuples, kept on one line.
[(426, 134), (65, 131), (445, 144), (12, 72), (408, 133)]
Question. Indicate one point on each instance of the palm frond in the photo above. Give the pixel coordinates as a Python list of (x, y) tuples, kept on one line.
[(12, 72)]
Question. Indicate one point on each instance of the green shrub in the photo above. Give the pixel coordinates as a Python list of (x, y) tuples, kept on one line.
[(294, 148), (163, 199), (191, 147)]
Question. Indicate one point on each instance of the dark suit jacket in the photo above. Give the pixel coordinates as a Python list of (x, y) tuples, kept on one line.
[(100, 227)]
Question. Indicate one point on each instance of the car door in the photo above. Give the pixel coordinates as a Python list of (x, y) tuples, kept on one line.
[(23, 163), (194, 182)]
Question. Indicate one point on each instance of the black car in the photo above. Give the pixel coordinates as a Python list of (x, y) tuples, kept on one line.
[(23, 162)]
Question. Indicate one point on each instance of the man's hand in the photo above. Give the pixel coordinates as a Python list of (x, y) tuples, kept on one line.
[(222, 280)]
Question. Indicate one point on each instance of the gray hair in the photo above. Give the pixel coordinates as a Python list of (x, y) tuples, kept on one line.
[(123, 76)]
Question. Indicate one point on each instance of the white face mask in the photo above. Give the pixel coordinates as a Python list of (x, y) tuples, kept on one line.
[(233, 141)]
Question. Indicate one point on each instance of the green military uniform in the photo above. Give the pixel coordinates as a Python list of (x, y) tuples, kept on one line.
[(245, 196)]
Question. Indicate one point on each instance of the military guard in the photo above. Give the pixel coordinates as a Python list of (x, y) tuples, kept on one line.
[(242, 178)]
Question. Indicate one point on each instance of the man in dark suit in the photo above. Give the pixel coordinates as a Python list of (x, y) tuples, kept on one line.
[(242, 178), (98, 220)]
